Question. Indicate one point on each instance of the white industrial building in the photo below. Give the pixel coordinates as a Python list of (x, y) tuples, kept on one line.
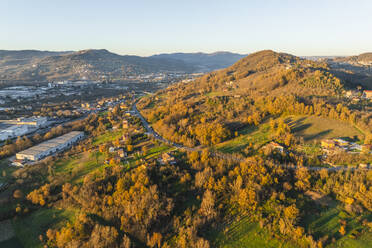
[(10, 129), (31, 121), (15, 131), (50, 147)]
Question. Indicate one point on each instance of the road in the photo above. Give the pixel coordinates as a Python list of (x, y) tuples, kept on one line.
[(157, 136)]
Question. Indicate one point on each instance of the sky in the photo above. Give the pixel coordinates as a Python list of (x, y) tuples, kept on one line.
[(146, 27)]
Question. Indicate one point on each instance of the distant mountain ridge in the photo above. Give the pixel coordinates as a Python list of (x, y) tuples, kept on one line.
[(9, 57), (364, 58), (97, 64), (88, 64), (205, 61)]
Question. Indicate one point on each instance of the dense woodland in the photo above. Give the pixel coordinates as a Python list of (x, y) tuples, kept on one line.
[(175, 205)]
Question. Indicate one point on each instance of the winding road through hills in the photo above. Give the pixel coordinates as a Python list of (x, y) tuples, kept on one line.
[(157, 136)]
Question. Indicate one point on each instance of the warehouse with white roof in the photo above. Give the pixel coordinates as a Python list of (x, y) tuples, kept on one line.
[(50, 147)]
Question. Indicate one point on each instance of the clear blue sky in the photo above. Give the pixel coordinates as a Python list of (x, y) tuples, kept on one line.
[(145, 27)]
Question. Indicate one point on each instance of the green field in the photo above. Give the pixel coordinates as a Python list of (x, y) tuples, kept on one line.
[(257, 136), (328, 223), (108, 136), (316, 128), (29, 228), (11, 243), (6, 170), (310, 127), (243, 233), (79, 165), (157, 150)]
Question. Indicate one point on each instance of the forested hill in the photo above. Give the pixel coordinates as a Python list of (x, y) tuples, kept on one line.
[(273, 73), (262, 85)]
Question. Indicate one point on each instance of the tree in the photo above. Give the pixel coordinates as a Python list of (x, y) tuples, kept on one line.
[(154, 240), (18, 194), (103, 236), (129, 148), (342, 230), (207, 206), (126, 243)]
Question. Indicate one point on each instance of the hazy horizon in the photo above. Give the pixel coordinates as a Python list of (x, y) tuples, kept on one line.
[(317, 28), (192, 52)]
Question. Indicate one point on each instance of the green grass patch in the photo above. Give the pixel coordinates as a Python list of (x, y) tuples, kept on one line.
[(30, 227), (316, 128), (255, 135), (328, 223), (363, 241), (108, 136), (11, 243), (243, 233), (80, 165), (215, 93), (157, 150), (6, 171)]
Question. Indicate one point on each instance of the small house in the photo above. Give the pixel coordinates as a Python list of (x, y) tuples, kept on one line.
[(167, 158), (275, 146), (125, 124), (122, 153), (367, 94), (18, 163), (342, 143), (364, 166)]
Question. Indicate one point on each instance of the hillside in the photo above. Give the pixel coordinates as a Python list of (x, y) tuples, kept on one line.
[(89, 64), (21, 57), (364, 58), (252, 182), (354, 70), (101, 64), (260, 86), (276, 73), (204, 62)]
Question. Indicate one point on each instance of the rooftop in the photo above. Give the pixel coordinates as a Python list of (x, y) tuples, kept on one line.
[(50, 143)]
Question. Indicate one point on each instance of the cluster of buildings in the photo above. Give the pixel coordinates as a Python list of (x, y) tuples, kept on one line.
[(158, 77), (337, 145), (21, 92), (357, 95), (10, 129), (103, 104), (48, 148)]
